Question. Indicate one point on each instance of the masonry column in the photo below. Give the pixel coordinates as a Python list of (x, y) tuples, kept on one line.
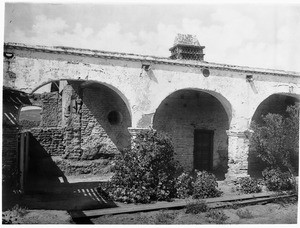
[(135, 130), (238, 148)]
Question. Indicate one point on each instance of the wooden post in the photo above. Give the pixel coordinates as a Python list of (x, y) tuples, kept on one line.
[(22, 155)]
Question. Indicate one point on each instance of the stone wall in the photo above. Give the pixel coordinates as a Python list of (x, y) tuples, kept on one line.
[(183, 112), (75, 124), (51, 139), (51, 110), (9, 145)]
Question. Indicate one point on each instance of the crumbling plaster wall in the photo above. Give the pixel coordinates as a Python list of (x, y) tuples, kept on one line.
[(143, 91)]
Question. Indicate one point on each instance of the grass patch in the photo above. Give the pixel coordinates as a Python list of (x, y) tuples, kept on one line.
[(244, 213), (216, 216), (196, 207)]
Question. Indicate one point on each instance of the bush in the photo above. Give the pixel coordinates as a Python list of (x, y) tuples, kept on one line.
[(196, 207), (276, 180), (248, 185), (276, 141), (145, 172), (184, 185), (216, 216), (199, 184), (205, 186)]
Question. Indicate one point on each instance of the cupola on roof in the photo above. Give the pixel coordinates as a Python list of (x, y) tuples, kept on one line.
[(187, 47)]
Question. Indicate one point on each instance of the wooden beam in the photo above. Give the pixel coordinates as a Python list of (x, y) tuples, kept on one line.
[(223, 201)]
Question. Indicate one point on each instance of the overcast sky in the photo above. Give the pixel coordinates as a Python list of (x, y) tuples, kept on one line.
[(256, 35)]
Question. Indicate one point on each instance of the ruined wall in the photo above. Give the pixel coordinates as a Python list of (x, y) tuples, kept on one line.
[(183, 112), (51, 139), (144, 90), (105, 122), (75, 124)]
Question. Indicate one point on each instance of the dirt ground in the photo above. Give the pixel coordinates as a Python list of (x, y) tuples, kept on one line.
[(271, 213), (257, 214)]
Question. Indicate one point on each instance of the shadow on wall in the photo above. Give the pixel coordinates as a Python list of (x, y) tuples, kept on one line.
[(42, 170), (107, 120), (46, 187)]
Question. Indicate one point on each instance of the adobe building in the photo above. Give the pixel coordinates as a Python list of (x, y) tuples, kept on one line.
[(99, 100)]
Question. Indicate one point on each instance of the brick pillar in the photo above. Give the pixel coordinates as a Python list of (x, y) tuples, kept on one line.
[(238, 148), (134, 131)]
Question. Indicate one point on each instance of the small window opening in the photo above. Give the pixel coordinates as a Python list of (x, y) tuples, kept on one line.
[(114, 117)]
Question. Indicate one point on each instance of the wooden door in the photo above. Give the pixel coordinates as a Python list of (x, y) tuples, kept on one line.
[(203, 149)]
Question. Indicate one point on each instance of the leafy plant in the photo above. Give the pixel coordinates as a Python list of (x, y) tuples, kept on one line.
[(199, 184), (276, 180), (276, 140), (184, 184), (248, 185), (216, 216), (196, 207), (244, 213), (205, 186), (145, 172)]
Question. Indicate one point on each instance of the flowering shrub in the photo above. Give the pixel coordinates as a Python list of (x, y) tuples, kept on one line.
[(184, 185), (145, 172), (205, 186), (276, 180), (199, 184), (248, 185)]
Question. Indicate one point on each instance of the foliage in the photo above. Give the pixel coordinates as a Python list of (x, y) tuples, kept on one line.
[(196, 207), (12, 215), (248, 185), (244, 213), (184, 184), (276, 180), (205, 186), (276, 140), (145, 172), (10, 178), (216, 216), (199, 184)]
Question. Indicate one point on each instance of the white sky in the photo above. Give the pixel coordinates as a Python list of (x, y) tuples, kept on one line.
[(256, 35)]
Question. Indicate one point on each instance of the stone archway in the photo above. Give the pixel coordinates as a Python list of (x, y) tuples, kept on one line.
[(197, 122), (276, 104)]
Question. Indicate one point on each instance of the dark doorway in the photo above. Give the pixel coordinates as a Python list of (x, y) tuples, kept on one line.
[(203, 149)]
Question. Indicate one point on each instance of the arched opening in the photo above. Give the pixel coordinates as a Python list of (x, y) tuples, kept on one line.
[(276, 104), (80, 120), (197, 123)]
